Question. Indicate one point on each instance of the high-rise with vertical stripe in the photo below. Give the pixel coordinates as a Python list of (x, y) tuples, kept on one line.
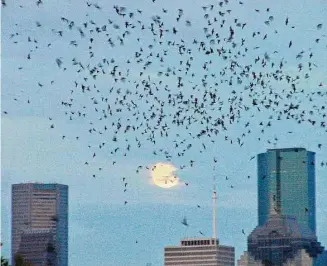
[(38, 206), (286, 179)]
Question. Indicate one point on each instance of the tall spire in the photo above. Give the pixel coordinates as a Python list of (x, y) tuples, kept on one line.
[(273, 209), (214, 225)]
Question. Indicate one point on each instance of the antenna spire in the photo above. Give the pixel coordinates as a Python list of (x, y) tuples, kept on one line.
[(214, 199)]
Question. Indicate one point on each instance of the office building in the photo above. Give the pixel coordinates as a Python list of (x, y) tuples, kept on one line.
[(201, 251), (34, 247), (301, 258), (287, 176), (286, 234), (322, 259), (35, 207), (283, 241), (247, 260)]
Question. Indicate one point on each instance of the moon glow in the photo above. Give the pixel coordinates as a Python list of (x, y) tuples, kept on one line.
[(163, 175)]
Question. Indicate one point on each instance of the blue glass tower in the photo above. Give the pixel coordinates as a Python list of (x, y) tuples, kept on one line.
[(286, 184)]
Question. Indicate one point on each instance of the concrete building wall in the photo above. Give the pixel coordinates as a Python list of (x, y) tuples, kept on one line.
[(199, 252), (247, 260), (41, 206), (33, 247), (21, 214), (302, 258)]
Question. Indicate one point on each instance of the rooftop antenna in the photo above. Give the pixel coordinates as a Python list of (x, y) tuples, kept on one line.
[(214, 199)]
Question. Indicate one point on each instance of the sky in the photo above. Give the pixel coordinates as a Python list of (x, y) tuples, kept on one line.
[(102, 229)]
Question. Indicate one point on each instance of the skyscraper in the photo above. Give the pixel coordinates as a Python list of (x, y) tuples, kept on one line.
[(286, 178), (35, 207), (34, 245), (201, 251), (286, 234)]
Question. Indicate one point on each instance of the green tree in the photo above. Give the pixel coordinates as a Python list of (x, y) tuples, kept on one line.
[(4, 262)]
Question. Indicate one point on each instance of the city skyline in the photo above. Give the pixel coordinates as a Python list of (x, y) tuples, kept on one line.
[(43, 141), (214, 197)]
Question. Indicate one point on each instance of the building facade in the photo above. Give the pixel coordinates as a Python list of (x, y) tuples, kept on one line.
[(282, 241), (322, 259), (200, 252), (286, 179), (34, 245), (247, 260), (301, 258), (35, 207), (286, 231)]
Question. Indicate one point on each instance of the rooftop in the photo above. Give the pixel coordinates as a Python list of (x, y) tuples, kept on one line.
[(39, 183), (284, 233), (284, 226), (199, 241), (288, 149)]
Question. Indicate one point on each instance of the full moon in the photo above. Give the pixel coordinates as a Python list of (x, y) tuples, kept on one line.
[(163, 175)]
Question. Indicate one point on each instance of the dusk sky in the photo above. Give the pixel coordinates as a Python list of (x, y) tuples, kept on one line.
[(103, 230)]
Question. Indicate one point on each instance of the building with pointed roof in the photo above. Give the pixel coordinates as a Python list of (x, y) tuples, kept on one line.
[(286, 231), (282, 241)]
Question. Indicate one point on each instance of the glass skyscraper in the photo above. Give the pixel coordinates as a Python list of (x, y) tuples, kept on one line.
[(286, 184), (35, 207)]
